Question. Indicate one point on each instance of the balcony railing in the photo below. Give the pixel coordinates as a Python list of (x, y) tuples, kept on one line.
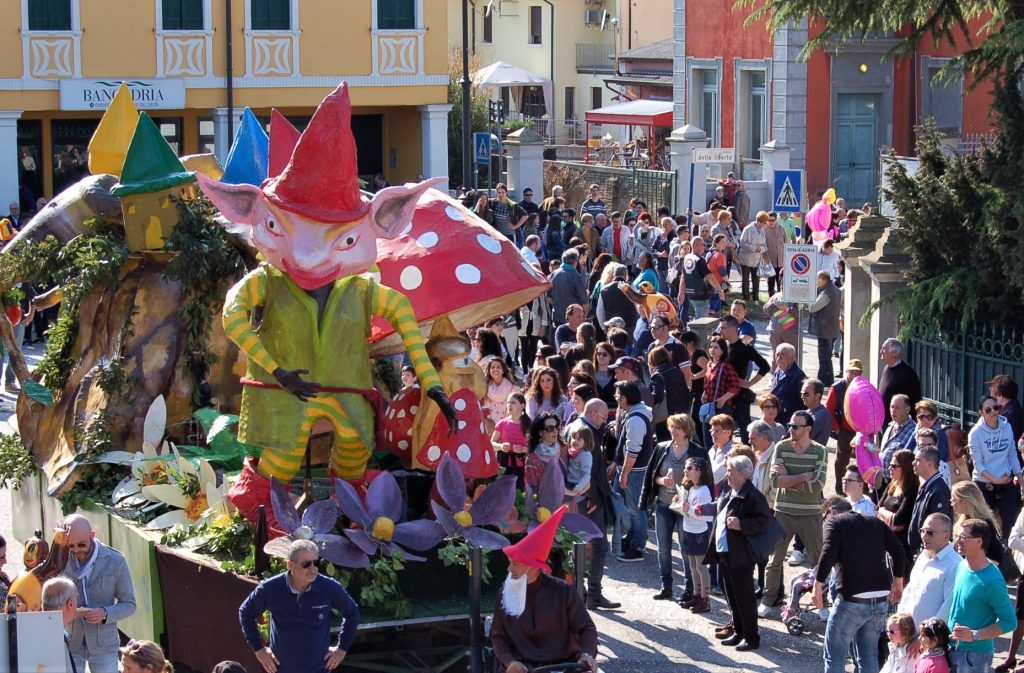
[(594, 59)]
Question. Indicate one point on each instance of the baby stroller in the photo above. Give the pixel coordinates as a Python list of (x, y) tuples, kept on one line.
[(796, 616)]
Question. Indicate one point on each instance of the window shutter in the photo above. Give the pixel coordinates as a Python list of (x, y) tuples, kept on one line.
[(191, 14), (49, 14)]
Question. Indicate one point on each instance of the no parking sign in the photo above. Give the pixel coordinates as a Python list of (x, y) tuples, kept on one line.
[(798, 285)]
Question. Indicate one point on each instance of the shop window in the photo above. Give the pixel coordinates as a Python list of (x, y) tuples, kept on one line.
[(49, 14), (270, 15), (206, 139), (70, 150), (170, 129), (396, 14), (182, 14), (30, 163)]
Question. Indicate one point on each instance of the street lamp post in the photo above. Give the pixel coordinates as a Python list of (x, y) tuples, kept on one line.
[(467, 145)]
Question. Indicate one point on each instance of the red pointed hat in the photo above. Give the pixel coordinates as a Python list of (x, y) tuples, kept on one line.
[(320, 181), (533, 549), (283, 139)]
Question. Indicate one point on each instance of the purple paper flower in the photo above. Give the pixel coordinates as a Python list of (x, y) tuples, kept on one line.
[(488, 510), (315, 525), (551, 496), (380, 530)]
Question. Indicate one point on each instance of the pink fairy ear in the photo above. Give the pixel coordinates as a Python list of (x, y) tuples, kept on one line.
[(392, 207), (236, 202)]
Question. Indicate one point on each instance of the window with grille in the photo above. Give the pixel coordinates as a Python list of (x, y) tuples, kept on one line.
[(182, 14), (49, 14), (270, 15), (396, 14)]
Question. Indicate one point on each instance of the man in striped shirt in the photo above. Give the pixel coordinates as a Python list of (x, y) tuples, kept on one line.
[(798, 472)]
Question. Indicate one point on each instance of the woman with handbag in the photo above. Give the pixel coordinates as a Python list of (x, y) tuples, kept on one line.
[(668, 387), (721, 385), (663, 473), (740, 512)]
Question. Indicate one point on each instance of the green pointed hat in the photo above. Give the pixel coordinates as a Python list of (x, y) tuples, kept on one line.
[(150, 164)]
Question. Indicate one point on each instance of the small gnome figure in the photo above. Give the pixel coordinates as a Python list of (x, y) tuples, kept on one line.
[(466, 385)]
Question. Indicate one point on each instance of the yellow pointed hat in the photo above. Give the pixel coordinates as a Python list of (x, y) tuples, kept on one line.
[(109, 144)]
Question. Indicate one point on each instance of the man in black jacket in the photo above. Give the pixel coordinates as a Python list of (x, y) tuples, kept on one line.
[(741, 356), (898, 378), (597, 502), (932, 498), (858, 546), (1005, 390), (787, 381)]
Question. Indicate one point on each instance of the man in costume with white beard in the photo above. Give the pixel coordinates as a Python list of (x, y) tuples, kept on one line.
[(540, 620)]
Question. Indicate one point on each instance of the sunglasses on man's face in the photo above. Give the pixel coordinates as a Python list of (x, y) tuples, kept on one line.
[(795, 426), (307, 563), (550, 428), (925, 417)]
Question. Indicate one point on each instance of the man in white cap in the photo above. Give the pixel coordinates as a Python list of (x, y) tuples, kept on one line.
[(540, 620)]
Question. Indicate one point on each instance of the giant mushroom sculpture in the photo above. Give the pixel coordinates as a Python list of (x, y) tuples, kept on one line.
[(449, 262)]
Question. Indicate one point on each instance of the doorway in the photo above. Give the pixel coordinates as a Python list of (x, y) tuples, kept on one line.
[(855, 148)]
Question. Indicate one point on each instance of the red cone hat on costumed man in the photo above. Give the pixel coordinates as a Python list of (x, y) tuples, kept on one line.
[(320, 181), (533, 549)]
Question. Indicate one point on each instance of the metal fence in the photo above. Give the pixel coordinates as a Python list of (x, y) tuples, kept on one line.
[(618, 185), (594, 59), (970, 143), (955, 365)]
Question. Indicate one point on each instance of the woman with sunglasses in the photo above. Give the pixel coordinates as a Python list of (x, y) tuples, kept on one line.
[(996, 463), (896, 505), (604, 357), (665, 471), (902, 633), (543, 446), (770, 405), (927, 416)]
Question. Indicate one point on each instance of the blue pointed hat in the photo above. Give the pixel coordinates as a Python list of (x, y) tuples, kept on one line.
[(249, 157)]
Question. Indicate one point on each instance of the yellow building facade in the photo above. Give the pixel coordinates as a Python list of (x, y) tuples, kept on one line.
[(194, 65)]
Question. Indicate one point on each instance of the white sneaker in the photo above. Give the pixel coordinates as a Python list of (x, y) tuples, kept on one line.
[(765, 611), (797, 558)]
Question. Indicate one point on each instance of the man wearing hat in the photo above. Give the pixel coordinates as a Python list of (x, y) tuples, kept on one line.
[(631, 369), (540, 620), (841, 427)]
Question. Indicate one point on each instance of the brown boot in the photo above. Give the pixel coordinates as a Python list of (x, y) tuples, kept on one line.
[(689, 603), (701, 606)]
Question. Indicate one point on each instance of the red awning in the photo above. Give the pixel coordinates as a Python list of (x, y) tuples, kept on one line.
[(635, 113)]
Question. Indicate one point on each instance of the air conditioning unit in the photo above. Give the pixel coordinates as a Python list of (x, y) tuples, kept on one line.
[(592, 17), (593, 2)]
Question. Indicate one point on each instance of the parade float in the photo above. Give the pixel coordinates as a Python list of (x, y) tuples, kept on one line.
[(218, 381)]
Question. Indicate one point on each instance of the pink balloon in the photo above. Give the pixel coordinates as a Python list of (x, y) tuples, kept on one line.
[(868, 461), (863, 407), (819, 217)]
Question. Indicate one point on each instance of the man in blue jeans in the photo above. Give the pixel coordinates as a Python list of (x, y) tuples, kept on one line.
[(635, 432), (981, 610), (857, 545)]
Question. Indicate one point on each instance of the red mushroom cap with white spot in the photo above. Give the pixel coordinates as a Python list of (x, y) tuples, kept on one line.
[(398, 421), (450, 262)]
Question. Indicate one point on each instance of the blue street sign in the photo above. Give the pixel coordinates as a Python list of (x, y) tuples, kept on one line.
[(788, 192), (482, 148)]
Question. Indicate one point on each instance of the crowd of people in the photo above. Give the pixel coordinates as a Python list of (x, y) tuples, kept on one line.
[(738, 482)]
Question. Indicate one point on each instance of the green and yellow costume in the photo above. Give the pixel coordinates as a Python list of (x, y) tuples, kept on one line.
[(334, 351)]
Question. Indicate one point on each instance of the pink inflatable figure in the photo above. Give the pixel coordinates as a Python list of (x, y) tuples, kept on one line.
[(865, 412)]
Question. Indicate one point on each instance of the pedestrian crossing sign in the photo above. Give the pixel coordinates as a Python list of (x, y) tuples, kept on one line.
[(787, 195), (482, 148)]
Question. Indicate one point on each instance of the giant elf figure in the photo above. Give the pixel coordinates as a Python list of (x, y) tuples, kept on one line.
[(303, 316)]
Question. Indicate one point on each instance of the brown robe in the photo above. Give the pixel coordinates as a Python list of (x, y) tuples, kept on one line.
[(554, 628)]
